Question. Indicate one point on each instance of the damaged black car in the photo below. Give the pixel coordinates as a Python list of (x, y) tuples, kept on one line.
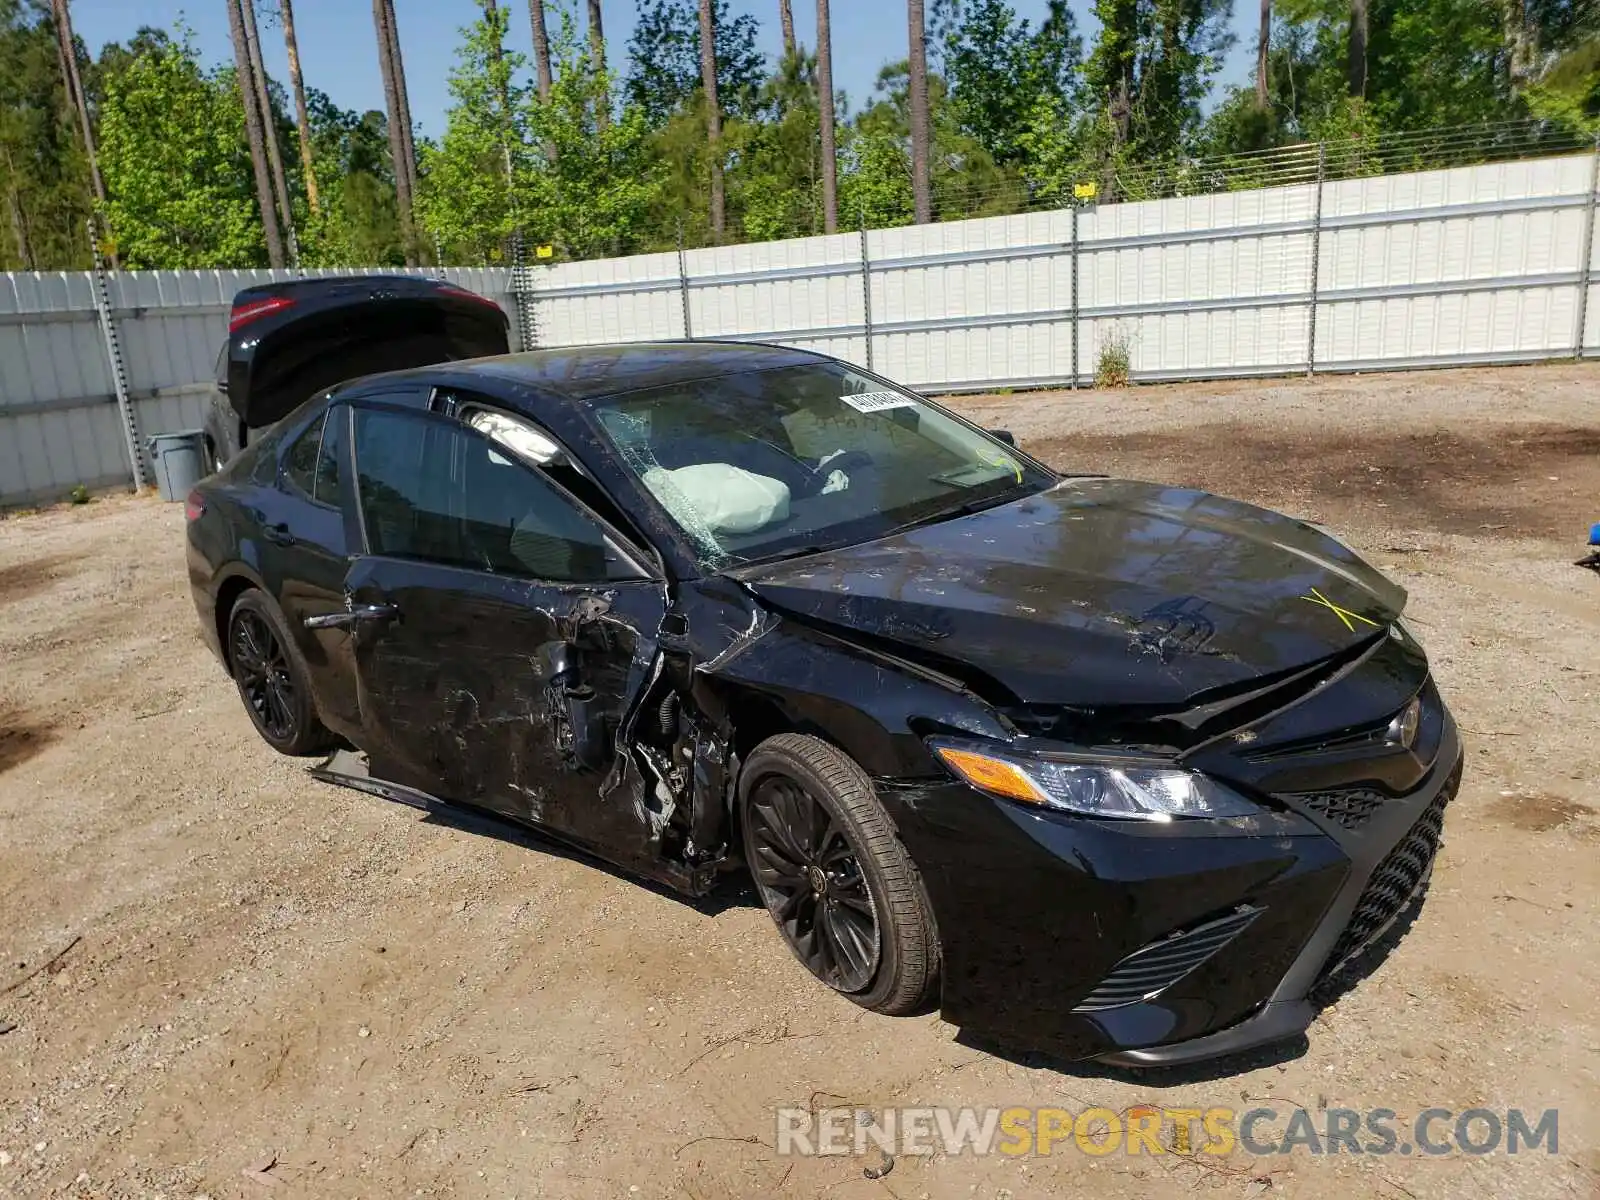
[(1099, 768)]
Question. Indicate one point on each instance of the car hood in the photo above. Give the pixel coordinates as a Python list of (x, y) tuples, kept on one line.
[(1098, 592)]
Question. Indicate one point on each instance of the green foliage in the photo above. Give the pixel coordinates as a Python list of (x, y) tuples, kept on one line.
[(777, 187), (467, 200), (1569, 91), (78, 495), (44, 185), (593, 195), (509, 160), (1430, 64), (1000, 70), (665, 56), (875, 178), (176, 164), (1150, 67), (359, 223), (1021, 111)]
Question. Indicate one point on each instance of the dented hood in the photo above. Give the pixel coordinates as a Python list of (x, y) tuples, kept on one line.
[(1098, 592)]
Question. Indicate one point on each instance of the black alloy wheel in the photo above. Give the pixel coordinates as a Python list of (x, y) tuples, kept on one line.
[(830, 867), (261, 668), (810, 877)]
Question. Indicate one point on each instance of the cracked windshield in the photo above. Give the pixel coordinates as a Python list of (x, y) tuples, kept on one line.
[(770, 464)]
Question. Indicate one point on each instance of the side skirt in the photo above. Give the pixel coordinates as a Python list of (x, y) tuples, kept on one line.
[(348, 768)]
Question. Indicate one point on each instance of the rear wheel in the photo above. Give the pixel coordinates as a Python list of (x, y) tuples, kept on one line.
[(272, 679), (831, 870)]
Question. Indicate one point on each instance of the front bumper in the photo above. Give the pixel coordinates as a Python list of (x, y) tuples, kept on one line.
[(1043, 917)]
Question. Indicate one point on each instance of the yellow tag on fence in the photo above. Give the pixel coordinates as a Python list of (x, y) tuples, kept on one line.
[(1085, 191), (544, 252)]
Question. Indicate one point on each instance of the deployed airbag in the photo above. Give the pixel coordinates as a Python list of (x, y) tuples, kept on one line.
[(719, 497)]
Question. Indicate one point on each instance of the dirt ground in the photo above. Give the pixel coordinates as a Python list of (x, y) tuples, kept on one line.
[(215, 965)]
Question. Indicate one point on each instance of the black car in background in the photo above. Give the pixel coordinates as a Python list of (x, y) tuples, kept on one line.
[(287, 341), (1101, 768)]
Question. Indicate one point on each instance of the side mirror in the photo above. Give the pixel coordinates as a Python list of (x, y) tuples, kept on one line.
[(1004, 435)]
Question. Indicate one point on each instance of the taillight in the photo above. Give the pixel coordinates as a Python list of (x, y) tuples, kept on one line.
[(243, 314), (194, 506)]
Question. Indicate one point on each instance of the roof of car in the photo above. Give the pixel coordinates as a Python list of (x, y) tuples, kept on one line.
[(587, 372)]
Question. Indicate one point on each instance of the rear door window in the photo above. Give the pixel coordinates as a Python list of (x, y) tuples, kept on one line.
[(434, 490), (300, 462), (330, 457)]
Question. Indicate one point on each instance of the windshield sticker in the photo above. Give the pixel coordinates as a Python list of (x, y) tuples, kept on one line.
[(871, 402)]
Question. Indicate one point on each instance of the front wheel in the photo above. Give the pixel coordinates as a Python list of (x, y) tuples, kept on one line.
[(831, 870)]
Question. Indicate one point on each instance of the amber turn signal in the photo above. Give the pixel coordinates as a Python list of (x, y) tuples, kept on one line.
[(990, 774)]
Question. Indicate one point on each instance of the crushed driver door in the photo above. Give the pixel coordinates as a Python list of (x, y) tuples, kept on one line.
[(500, 631)]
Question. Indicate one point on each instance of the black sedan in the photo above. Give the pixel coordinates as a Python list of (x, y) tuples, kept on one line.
[(1101, 768)]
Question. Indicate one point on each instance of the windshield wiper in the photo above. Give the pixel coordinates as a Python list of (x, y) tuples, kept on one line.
[(794, 552), (947, 513)]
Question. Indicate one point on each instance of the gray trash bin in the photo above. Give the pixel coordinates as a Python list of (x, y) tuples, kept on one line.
[(179, 461)]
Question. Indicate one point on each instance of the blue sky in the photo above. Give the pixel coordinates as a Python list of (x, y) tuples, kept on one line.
[(338, 53)]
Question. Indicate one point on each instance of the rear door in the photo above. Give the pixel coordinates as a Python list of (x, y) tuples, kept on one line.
[(499, 630), (305, 554)]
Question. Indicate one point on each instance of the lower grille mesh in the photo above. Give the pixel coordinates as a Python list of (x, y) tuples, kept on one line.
[(1349, 808), (1397, 881), (1158, 966)]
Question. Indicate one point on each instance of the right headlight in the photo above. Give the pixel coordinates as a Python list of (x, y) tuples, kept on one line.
[(1091, 788)]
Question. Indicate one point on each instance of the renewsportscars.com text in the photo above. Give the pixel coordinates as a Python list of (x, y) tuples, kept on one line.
[(1148, 1129)]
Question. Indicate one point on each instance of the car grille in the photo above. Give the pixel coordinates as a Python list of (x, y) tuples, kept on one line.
[(1396, 882), (1158, 966), (1348, 807)]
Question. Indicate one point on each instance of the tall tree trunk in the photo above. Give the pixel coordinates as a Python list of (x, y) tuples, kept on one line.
[(921, 133), (830, 155), (786, 20), (708, 80), (66, 47), (1263, 47), (597, 60), (269, 127), (1358, 47), (302, 117), (253, 131), (403, 94), (541, 48), (397, 138)]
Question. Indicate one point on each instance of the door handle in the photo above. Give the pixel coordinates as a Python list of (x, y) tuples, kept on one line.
[(354, 615), (278, 535)]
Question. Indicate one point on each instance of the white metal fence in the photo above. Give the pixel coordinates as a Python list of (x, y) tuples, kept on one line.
[(1473, 265)]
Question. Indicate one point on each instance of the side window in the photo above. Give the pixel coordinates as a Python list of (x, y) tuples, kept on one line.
[(300, 463), (330, 459), (434, 490), (539, 448)]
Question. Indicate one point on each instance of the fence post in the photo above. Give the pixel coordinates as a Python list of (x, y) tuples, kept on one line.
[(1584, 272), (866, 286), (1316, 260), (1074, 382), (119, 377), (522, 292), (683, 285)]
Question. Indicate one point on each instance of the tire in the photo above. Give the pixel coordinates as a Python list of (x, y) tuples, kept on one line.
[(272, 679), (824, 854)]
